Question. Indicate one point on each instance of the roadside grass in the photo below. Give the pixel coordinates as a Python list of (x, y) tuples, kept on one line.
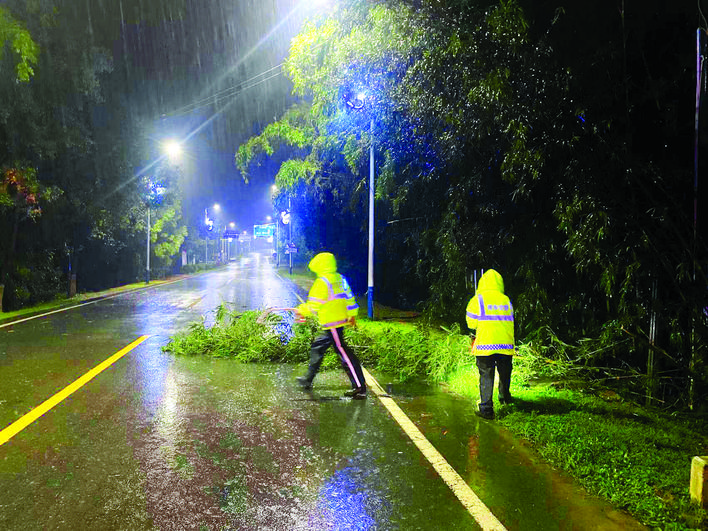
[(637, 458)]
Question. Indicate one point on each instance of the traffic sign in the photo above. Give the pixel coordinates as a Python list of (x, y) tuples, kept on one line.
[(264, 231)]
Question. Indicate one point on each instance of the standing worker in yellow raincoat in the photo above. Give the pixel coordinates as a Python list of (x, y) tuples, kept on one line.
[(331, 301), (490, 313)]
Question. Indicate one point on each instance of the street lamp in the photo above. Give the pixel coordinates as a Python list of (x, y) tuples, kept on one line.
[(173, 150), (357, 104), (232, 227), (286, 217), (155, 191), (274, 190), (209, 227), (370, 289)]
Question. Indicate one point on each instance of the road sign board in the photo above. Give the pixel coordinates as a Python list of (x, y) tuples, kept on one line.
[(264, 231)]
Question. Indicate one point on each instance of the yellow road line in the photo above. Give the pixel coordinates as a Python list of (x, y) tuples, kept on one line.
[(24, 421), (480, 512)]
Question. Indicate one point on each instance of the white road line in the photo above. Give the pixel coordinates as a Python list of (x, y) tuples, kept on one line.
[(89, 302), (480, 512)]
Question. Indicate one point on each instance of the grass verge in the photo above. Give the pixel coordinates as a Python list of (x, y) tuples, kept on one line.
[(637, 458)]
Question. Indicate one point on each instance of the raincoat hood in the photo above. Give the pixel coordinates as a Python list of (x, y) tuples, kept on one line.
[(491, 281), (323, 263)]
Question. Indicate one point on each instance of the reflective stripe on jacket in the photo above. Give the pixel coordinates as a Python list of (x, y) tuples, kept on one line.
[(491, 314)]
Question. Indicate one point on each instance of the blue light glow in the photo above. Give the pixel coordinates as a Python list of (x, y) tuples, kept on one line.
[(342, 503)]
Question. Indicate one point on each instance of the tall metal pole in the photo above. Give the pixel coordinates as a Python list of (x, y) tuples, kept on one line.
[(147, 262), (370, 290), (290, 237), (277, 241), (699, 91)]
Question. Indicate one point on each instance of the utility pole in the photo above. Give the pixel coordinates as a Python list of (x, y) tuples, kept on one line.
[(147, 262), (370, 290)]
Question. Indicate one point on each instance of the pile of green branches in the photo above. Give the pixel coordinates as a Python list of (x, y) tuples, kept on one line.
[(401, 349), (245, 337)]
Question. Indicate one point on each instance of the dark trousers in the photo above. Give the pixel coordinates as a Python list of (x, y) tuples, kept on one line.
[(486, 366), (350, 363)]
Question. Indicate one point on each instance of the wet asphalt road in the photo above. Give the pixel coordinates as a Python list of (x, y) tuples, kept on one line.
[(164, 442)]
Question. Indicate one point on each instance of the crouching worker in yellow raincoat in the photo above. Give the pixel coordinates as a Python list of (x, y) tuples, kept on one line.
[(490, 313), (331, 301)]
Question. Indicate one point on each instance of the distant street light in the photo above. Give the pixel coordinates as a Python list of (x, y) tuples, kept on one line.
[(274, 190), (173, 150), (232, 226), (209, 223), (286, 217)]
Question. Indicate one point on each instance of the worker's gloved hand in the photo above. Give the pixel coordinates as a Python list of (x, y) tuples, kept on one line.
[(299, 318), (352, 321)]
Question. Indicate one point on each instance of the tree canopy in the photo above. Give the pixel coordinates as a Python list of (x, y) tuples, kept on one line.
[(70, 149), (491, 152)]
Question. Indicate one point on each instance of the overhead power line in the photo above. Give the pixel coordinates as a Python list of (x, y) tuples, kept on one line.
[(229, 92)]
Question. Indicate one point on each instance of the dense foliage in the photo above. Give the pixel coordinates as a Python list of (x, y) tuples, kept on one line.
[(70, 201), (496, 147)]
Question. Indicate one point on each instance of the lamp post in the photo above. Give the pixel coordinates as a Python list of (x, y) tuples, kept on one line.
[(370, 289), (209, 227), (171, 149), (290, 235), (274, 190), (147, 261), (155, 191), (357, 104), (232, 226), (217, 245)]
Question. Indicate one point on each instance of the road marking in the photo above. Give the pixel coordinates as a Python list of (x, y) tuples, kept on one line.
[(24, 421), (90, 302), (196, 301), (480, 512)]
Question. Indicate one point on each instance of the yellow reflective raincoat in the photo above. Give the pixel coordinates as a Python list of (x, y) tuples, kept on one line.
[(330, 297), (490, 313)]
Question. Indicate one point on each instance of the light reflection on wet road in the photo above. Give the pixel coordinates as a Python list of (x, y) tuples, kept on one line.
[(164, 442)]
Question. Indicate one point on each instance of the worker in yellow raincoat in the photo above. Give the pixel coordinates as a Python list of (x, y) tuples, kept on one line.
[(332, 302), (491, 314)]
